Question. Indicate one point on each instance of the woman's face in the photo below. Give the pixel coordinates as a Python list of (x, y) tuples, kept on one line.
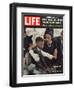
[(48, 37)]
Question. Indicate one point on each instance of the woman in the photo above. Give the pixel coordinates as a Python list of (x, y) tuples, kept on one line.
[(50, 46)]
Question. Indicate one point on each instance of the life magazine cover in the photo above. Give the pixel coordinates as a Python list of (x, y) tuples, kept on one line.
[(42, 44)]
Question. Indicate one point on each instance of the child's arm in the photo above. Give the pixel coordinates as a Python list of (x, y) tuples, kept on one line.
[(35, 56)]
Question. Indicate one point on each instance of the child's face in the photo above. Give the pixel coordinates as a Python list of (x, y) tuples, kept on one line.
[(40, 44)]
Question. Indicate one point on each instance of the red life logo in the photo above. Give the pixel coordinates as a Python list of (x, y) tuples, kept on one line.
[(32, 20)]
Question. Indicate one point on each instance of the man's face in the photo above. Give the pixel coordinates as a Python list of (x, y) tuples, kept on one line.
[(40, 44)]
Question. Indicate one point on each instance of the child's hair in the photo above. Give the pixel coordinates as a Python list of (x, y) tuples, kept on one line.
[(39, 39)]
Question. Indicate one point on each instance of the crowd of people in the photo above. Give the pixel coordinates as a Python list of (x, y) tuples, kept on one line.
[(45, 57)]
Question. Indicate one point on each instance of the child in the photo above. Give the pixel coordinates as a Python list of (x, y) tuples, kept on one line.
[(38, 57)]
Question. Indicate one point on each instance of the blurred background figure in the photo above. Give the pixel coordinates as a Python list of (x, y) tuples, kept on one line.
[(59, 41), (27, 43)]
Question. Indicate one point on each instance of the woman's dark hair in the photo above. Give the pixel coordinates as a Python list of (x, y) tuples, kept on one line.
[(49, 31)]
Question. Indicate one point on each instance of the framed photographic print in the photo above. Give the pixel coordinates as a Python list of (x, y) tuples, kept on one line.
[(40, 44)]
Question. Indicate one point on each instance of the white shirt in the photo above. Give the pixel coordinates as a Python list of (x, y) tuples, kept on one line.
[(36, 56)]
